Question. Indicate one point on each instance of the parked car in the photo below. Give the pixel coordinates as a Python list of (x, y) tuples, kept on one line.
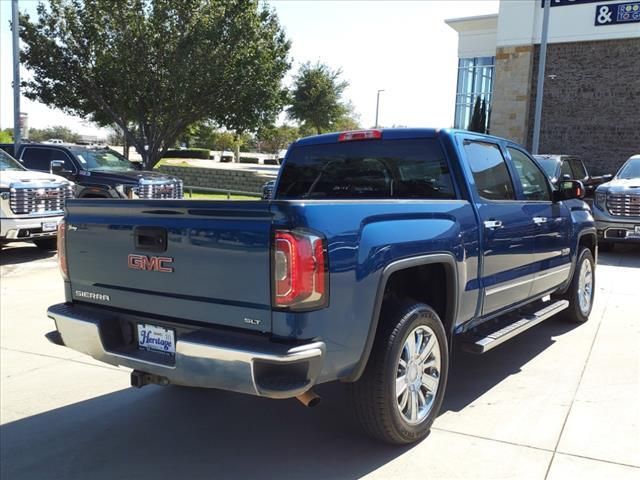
[(267, 189), (99, 172), (31, 204), (378, 251), (570, 167), (54, 141), (617, 206)]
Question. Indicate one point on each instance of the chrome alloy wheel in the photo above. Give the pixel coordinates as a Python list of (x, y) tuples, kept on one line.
[(585, 286), (418, 374)]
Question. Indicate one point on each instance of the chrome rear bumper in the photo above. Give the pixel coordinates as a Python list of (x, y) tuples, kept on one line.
[(243, 363)]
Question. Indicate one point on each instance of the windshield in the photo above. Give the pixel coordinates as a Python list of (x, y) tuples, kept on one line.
[(631, 169), (378, 169), (103, 160), (7, 162), (549, 165)]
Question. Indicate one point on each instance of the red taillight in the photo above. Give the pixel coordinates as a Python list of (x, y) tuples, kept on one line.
[(62, 250), (360, 135), (300, 274)]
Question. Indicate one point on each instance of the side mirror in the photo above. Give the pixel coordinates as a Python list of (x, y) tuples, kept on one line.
[(56, 166), (568, 189), (607, 177)]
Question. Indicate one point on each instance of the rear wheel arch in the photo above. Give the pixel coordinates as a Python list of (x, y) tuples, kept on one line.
[(448, 309)]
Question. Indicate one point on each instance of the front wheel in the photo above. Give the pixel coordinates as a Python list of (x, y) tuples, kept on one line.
[(400, 393), (582, 289)]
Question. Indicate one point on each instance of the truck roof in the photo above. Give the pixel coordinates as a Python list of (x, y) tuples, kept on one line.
[(392, 134)]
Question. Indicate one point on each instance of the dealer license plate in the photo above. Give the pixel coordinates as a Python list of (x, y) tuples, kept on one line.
[(156, 339), (49, 226), (636, 231)]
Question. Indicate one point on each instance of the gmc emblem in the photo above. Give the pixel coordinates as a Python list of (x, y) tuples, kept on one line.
[(156, 264)]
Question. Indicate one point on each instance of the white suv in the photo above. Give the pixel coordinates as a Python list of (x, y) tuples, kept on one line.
[(31, 203)]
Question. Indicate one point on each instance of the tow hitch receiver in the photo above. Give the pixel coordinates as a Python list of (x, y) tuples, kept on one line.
[(140, 379)]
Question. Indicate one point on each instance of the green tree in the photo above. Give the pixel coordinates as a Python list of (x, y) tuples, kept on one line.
[(274, 139), (478, 122), (316, 98), (154, 67), (59, 131), (6, 136)]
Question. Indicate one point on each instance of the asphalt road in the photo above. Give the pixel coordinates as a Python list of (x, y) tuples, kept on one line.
[(560, 401)]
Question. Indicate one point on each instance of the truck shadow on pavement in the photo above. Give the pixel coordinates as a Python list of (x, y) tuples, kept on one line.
[(23, 253), (622, 256), (162, 432), (470, 376)]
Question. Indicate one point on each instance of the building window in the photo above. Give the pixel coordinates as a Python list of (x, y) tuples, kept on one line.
[(475, 79)]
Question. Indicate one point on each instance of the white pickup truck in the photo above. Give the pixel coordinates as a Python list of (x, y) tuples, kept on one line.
[(31, 204)]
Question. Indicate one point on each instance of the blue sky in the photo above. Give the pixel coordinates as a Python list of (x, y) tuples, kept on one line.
[(403, 47)]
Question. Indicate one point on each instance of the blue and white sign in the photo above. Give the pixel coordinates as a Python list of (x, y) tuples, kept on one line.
[(617, 13), (564, 3)]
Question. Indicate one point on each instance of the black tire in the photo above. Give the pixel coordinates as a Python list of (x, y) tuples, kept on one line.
[(46, 243), (575, 313), (374, 394)]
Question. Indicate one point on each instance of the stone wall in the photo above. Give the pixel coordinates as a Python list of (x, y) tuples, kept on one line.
[(591, 104), (220, 178), (511, 93)]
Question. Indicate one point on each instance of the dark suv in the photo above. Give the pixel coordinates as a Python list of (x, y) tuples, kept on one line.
[(98, 172)]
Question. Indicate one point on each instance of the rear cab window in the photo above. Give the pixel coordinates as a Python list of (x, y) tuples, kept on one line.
[(372, 169)]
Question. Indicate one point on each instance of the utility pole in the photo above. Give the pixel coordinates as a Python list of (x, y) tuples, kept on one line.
[(540, 87), (15, 27), (378, 106)]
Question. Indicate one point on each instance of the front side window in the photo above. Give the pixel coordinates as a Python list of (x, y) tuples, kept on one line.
[(373, 169), (38, 158), (490, 171), (565, 169), (534, 183)]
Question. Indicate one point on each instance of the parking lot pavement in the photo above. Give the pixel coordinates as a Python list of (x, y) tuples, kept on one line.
[(561, 401)]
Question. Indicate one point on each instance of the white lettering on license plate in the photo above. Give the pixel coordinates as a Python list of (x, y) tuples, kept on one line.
[(157, 339)]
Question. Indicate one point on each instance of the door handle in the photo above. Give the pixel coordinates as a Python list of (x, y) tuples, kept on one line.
[(492, 224), (539, 220)]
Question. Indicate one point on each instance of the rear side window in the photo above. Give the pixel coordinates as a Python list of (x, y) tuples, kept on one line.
[(489, 170), (407, 168)]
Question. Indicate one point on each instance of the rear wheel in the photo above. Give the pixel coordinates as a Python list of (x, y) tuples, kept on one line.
[(582, 288), (400, 393), (46, 243)]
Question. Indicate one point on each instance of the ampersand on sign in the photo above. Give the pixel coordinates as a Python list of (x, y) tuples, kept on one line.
[(604, 15)]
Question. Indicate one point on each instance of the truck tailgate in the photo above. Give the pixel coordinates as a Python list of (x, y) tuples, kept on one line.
[(214, 266)]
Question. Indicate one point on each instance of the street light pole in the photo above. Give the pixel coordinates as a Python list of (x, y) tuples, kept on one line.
[(540, 87), (378, 106), (15, 27)]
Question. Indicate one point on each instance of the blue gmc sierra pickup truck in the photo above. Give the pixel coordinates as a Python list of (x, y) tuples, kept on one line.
[(379, 251)]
